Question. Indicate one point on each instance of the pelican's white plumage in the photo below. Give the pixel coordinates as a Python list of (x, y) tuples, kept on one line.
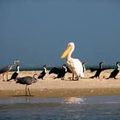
[(74, 64)]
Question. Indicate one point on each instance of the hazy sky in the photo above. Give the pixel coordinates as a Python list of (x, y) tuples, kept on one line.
[(37, 31)]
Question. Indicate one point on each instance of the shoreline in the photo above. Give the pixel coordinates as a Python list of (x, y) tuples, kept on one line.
[(58, 93), (50, 87)]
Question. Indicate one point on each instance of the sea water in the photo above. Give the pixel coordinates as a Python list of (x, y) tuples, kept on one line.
[(71, 108)]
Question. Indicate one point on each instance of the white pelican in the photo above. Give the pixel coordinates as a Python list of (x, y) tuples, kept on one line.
[(74, 64)]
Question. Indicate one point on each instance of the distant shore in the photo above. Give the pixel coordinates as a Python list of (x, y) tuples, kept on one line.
[(36, 68), (50, 87)]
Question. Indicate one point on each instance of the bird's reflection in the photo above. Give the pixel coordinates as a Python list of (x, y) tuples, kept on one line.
[(27, 99), (74, 100)]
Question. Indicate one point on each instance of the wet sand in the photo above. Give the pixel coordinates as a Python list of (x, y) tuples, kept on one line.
[(50, 87)]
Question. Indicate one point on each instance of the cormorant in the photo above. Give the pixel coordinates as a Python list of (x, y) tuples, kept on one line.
[(115, 72), (59, 71), (15, 74), (98, 71), (43, 73)]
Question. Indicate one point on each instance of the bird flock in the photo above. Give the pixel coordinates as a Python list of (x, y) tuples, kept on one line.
[(72, 65)]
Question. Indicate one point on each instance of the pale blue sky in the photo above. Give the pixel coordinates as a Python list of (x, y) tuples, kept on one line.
[(37, 31)]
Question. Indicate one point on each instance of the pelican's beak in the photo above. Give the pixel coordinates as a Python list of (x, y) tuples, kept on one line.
[(66, 52)]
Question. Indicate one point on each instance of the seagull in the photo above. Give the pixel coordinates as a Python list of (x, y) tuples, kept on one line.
[(6, 69)]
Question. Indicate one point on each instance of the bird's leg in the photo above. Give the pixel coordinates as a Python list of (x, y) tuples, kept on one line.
[(3, 77), (7, 75), (29, 92), (62, 78), (72, 76), (26, 90), (55, 77), (77, 78)]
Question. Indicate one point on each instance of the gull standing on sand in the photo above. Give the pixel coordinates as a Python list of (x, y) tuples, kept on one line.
[(74, 64), (6, 69)]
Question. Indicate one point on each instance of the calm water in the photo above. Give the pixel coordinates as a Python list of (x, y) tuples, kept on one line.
[(87, 108)]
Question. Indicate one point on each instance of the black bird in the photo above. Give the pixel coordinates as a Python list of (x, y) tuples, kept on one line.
[(115, 72), (98, 71), (6, 69), (27, 80), (43, 73), (15, 74), (59, 71)]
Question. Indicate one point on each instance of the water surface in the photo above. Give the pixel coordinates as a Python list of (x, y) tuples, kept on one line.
[(86, 108)]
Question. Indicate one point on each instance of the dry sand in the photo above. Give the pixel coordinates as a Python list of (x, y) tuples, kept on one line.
[(50, 87)]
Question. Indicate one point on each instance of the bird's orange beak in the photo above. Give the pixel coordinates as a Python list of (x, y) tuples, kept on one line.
[(66, 52)]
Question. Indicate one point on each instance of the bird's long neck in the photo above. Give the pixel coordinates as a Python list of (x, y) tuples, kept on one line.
[(84, 68), (70, 53), (100, 66), (65, 68), (17, 69), (118, 66), (45, 70), (35, 76), (11, 66)]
